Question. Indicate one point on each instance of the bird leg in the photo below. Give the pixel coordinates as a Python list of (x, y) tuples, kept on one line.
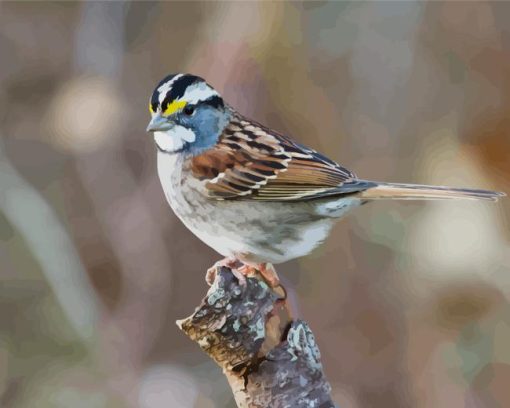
[(266, 270), (242, 270)]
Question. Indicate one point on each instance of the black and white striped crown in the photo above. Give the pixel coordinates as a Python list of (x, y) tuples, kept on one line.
[(181, 89)]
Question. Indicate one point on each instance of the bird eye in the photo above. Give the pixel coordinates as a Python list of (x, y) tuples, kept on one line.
[(189, 110)]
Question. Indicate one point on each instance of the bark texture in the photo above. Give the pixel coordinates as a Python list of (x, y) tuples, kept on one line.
[(269, 359)]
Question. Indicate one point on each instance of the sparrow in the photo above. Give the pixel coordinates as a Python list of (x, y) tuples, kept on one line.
[(251, 193)]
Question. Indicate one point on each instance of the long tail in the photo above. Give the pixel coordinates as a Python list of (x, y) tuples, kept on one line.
[(398, 191)]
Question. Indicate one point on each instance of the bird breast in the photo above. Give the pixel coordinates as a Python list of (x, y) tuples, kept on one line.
[(253, 231)]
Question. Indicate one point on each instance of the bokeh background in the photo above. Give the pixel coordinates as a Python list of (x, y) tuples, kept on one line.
[(409, 301)]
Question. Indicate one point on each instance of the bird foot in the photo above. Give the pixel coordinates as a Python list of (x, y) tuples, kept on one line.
[(266, 270), (243, 270)]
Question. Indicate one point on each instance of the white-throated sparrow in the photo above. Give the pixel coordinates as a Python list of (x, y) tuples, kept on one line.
[(249, 192)]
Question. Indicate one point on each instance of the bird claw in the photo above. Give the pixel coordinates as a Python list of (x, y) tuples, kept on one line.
[(241, 277), (241, 271), (266, 270)]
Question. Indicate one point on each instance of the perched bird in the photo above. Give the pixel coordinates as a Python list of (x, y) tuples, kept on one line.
[(249, 192)]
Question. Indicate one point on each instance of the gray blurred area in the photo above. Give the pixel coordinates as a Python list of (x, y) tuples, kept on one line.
[(409, 302)]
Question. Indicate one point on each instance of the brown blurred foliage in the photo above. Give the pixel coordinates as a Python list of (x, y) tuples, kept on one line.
[(411, 304)]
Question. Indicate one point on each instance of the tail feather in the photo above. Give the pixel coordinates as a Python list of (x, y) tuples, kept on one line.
[(398, 191)]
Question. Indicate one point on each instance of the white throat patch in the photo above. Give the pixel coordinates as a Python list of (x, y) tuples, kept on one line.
[(174, 139)]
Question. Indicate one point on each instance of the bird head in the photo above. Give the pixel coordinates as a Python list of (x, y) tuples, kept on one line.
[(188, 115)]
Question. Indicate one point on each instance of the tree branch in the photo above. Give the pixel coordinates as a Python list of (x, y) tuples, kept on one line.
[(269, 359)]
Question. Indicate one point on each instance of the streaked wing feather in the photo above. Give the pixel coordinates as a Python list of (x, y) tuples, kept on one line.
[(251, 161)]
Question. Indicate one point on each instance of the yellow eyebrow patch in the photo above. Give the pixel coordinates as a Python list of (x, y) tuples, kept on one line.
[(174, 107)]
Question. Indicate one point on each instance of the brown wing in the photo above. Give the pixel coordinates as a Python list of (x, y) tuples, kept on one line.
[(253, 162)]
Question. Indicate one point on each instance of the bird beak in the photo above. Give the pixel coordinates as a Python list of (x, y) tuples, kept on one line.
[(159, 123)]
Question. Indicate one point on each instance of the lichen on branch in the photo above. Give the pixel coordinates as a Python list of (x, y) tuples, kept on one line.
[(269, 359)]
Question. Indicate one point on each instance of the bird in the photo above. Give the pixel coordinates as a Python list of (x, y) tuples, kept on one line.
[(253, 194)]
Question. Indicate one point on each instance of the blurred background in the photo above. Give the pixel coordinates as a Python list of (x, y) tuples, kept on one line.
[(409, 302)]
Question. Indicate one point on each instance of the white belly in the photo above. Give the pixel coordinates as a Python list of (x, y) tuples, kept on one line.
[(252, 231), (190, 212)]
